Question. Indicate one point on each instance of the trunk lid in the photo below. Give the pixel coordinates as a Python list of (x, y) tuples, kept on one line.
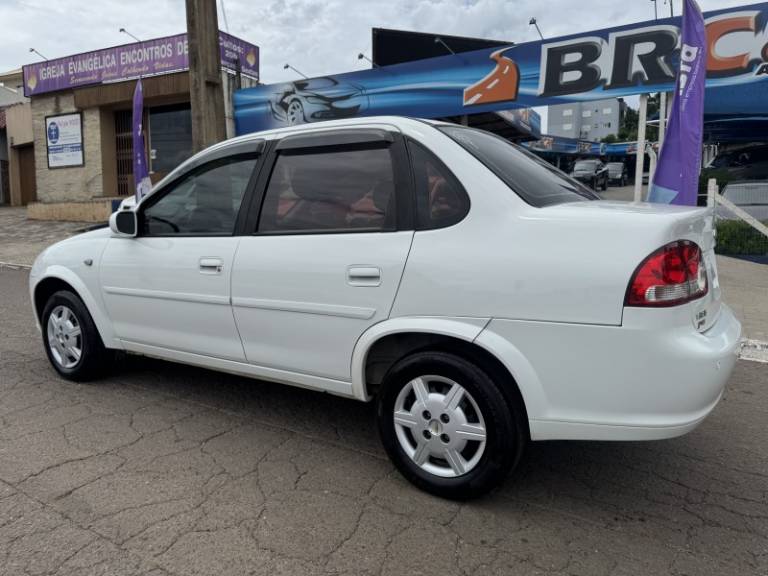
[(647, 227)]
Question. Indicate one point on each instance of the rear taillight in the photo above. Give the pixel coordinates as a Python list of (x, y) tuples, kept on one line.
[(672, 275)]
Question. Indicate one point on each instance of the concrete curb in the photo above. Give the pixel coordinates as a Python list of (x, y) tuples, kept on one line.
[(12, 266), (755, 350)]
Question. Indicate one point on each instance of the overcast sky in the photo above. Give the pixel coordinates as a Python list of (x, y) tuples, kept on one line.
[(316, 36)]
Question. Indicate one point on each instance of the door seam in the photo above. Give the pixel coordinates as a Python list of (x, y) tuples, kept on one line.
[(402, 275)]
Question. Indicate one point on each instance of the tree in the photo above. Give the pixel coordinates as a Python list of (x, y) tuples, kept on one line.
[(629, 122)]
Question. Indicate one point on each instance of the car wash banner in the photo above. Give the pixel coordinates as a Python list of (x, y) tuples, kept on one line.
[(158, 56), (613, 62)]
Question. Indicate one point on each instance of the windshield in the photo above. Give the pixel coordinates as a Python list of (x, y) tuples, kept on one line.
[(616, 165), (587, 165), (534, 180)]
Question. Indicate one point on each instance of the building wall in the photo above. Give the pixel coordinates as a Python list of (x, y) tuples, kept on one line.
[(586, 120), (18, 120), (75, 183)]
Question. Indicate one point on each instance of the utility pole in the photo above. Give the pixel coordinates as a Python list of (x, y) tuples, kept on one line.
[(205, 86)]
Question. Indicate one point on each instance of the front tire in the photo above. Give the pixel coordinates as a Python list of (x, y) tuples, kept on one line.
[(447, 427), (70, 338)]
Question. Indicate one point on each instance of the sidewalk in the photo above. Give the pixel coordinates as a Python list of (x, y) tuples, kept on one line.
[(21, 240), (744, 284)]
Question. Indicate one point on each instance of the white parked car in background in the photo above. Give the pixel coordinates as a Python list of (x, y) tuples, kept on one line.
[(480, 296)]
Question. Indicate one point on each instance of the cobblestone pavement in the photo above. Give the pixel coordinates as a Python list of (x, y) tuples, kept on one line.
[(164, 469), (21, 240)]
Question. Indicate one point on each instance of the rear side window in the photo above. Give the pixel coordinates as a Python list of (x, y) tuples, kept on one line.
[(440, 199), (340, 190), (534, 180)]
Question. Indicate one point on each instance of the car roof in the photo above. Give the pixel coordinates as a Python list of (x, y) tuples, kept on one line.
[(397, 122)]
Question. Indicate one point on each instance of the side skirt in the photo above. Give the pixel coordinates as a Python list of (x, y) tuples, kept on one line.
[(336, 387)]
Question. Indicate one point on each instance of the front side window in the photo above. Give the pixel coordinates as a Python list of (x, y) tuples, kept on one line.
[(534, 180), (333, 190), (204, 202)]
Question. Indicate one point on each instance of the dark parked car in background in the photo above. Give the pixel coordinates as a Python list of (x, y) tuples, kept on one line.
[(745, 163), (617, 173), (317, 99), (591, 172)]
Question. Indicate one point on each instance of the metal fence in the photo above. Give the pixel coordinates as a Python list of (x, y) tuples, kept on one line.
[(741, 218)]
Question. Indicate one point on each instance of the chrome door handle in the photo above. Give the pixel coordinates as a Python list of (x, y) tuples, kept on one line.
[(211, 265), (364, 276)]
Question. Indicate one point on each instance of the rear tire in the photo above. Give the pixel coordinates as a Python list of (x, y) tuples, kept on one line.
[(447, 427), (71, 340)]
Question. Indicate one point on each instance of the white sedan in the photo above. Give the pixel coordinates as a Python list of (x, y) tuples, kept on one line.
[(480, 296)]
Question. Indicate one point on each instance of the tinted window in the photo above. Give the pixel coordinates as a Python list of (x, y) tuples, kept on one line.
[(334, 190), (533, 179), (206, 201), (440, 199)]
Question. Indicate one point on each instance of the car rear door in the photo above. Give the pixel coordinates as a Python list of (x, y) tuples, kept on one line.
[(167, 291), (329, 235)]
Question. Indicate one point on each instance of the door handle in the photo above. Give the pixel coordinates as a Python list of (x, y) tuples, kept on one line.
[(211, 265), (364, 276)]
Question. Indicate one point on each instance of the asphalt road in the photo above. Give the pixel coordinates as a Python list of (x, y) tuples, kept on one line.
[(164, 469)]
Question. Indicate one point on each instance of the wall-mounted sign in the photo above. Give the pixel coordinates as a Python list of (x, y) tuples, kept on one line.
[(613, 62), (64, 138), (158, 56)]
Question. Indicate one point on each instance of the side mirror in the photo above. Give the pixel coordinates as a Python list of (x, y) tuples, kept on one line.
[(123, 223)]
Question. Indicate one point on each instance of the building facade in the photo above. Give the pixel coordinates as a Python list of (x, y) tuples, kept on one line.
[(593, 120), (80, 123), (11, 100)]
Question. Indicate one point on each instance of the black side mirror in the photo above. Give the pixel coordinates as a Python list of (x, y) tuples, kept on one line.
[(123, 223)]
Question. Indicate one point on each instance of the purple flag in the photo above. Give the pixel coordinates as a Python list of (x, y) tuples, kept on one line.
[(676, 180), (140, 168)]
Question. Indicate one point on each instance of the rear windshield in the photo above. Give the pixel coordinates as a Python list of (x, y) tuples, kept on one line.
[(615, 165), (585, 165), (534, 180)]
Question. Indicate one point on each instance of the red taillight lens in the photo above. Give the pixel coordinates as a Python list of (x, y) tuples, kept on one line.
[(672, 275)]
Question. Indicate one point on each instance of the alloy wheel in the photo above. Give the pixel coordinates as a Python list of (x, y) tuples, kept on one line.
[(439, 426), (65, 338)]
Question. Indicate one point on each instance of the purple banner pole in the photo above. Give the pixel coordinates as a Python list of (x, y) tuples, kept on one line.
[(676, 180), (140, 169)]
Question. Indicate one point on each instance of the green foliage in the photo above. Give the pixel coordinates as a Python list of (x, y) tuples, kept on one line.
[(736, 237), (610, 139)]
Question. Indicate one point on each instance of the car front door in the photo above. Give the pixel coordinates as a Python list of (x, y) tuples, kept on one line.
[(169, 288), (330, 234)]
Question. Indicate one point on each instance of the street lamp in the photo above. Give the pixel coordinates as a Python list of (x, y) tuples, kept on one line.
[(362, 56), (124, 31), (38, 53), (287, 66), (532, 22), (439, 40)]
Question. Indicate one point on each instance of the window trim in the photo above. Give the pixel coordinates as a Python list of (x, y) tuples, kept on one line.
[(201, 165), (384, 138)]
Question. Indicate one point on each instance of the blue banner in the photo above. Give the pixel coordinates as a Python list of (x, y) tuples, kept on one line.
[(613, 62)]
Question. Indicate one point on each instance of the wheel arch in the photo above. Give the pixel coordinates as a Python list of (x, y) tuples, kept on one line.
[(58, 278), (386, 343)]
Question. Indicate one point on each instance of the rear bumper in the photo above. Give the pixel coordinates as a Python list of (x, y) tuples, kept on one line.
[(653, 377)]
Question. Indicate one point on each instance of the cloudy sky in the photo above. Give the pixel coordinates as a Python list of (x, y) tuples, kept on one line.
[(316, 36)]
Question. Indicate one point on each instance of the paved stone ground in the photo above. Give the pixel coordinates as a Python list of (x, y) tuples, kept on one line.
[(163, 469), (21, 240)]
